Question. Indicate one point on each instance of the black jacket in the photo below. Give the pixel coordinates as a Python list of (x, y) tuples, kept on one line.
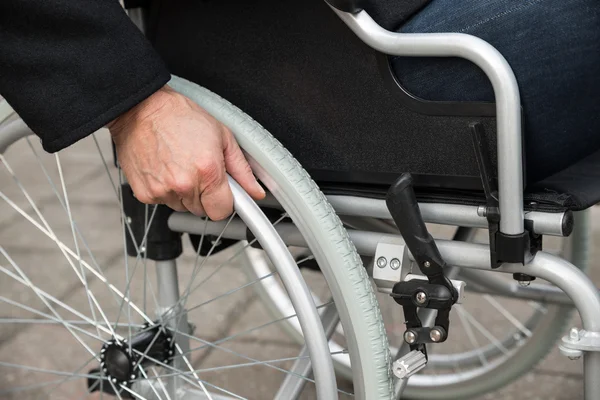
[(68, 67)]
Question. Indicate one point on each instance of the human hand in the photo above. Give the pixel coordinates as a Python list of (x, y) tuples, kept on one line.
[(173, 152)]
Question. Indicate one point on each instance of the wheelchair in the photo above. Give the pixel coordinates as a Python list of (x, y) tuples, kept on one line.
[(333, 285)]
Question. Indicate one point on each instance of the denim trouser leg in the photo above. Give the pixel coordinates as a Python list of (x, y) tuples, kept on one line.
[(553, 47)]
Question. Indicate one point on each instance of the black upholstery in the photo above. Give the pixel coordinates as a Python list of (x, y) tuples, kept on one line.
[(302, 73)]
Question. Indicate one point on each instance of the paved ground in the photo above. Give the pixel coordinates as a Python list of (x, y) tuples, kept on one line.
[(92, 203)]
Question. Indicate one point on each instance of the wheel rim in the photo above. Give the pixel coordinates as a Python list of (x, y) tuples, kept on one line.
[(118, 315)]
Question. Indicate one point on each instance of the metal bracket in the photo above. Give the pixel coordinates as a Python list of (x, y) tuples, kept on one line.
[(577, 341)]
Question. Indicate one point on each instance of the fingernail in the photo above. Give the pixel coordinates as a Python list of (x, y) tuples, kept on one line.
[(260, 189)]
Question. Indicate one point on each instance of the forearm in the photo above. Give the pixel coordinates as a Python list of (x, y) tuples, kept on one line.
[(69, 67)]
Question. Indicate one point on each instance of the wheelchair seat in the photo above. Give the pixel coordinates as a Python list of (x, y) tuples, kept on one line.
[(302, 74)]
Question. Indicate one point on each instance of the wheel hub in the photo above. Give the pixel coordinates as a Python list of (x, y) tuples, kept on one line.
[(117, 363), (120, 361)]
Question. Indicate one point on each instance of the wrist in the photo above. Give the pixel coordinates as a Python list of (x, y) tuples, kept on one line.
[(141, 111)]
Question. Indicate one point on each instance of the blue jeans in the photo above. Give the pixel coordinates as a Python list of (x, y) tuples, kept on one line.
[(553, 47)]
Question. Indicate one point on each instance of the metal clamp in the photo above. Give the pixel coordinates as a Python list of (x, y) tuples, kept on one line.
[(577, 341)]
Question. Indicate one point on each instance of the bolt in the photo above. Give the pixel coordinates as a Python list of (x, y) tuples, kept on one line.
[(435, 335), (128, 219), (395, 263), (421, 297), (482, 211), (381, 262), (114, 380), (410, 337), (132, 376), (574, 334), (524, 283), (427, 264)]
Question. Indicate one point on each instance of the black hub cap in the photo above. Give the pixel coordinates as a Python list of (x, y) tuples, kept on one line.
[(152, 345), (117, 363)]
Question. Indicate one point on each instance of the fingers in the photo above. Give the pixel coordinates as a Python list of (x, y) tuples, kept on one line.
[(238, 167), (216, 197)]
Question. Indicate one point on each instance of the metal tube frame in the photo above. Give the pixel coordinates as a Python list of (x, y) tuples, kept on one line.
[(572, 281), (542, 223), (504, 83)]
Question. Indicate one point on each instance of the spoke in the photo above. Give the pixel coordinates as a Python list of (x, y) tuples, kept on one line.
[(38, 385), (471, 336), (75, 241), (72, 254), (127, 276), (160, 382), (251, 364), (145, 258), (184, 298), (28, 283), (58, 384), (183, 376), (60, 200), (51, 233), (137, 396), (189, 365), (45, 371), (112, 182), (231, 291), (483, 330), (508, 315), (130, 276), (34, 321), (215, 346), (54, 319), (117, 391), (253, 329)]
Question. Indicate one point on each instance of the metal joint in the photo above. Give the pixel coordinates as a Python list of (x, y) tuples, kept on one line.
[(577, 341)]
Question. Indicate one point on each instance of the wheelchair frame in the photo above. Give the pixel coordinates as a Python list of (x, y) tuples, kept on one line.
[(575, 287)]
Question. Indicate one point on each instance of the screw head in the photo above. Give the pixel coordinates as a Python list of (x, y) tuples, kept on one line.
[(114, 380), (427, 264), (421, 297), (435, 335), (395, 263), (574, 334), (132, 376), (410, 337), (381, 262), (128, 219), (143, 249)]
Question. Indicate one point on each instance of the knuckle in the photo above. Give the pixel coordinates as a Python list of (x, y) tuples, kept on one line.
[(210, 172), (182, 184), (156, 193)]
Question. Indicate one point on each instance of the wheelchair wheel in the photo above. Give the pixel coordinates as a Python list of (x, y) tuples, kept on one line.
[(81, 319), (494, 353)]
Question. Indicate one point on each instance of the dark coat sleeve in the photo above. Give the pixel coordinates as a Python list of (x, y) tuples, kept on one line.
[(68, 67)]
